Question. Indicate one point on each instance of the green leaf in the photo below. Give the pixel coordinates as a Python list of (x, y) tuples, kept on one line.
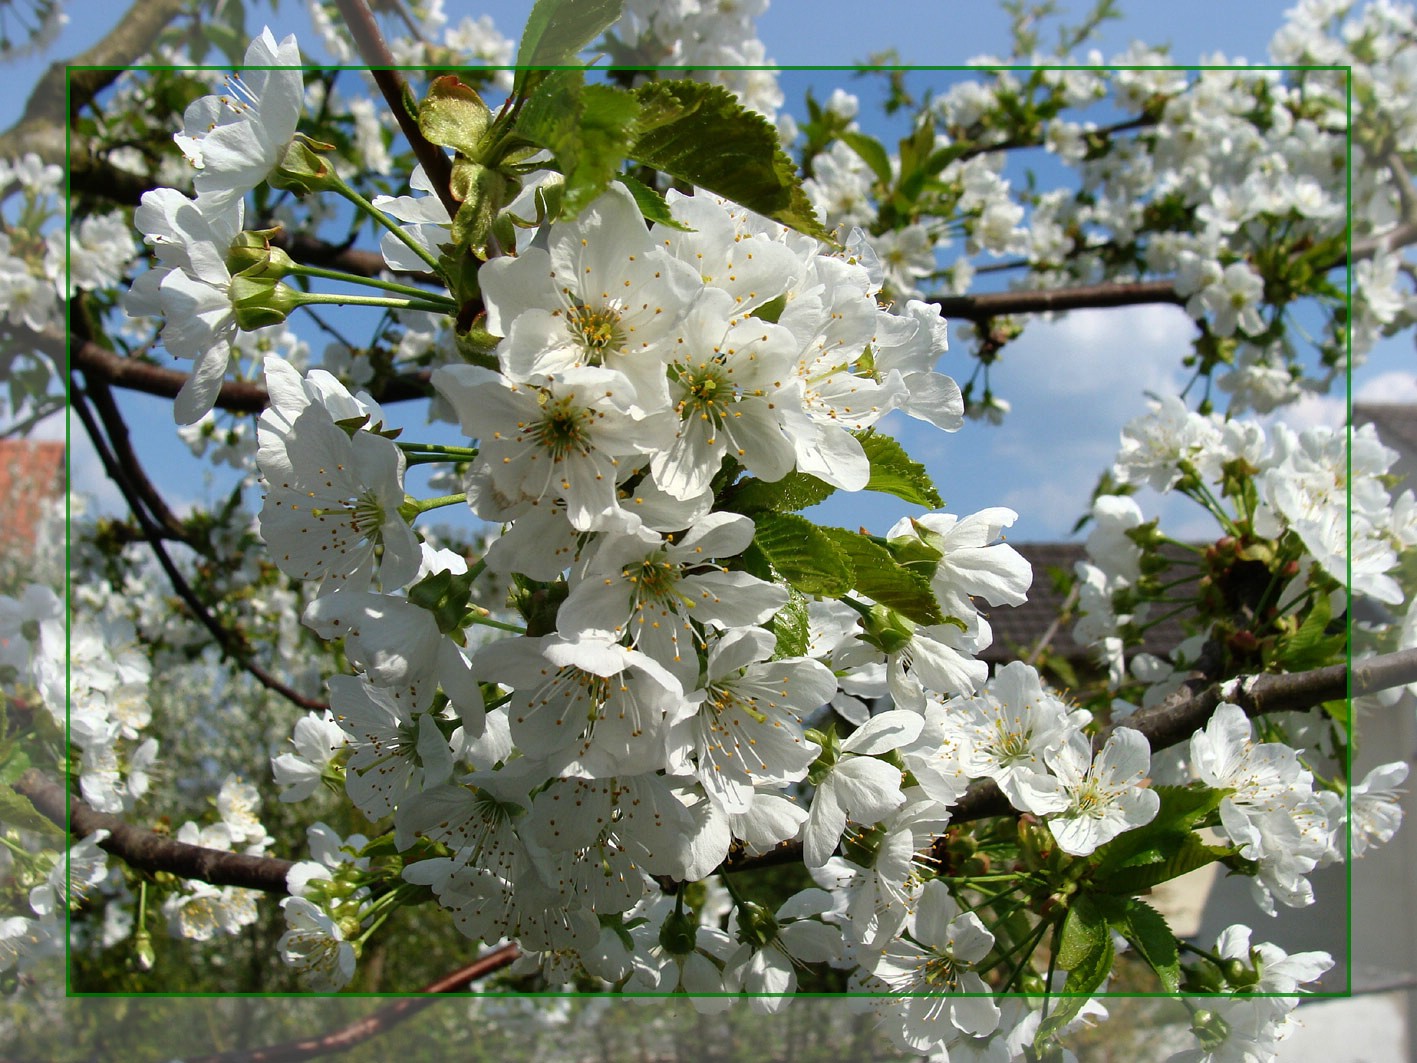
[(872, 154), (791, 628), (587, 127), (444, 594), (796, 490), (1085, 952), (15, 763), (701, 134), (557, 29), (1083, 933), (1170, 856), (1310, 647), (1148, 933), (653, 206), (802, 554), (894, 473), (17, 811), (881, 577), (453, 115)]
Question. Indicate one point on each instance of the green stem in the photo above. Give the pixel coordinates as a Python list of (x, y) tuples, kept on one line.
[(428, 459), (424, 505), (453, 453), (370, 282), (379, 216), (1203, 953), (330, 299), (487, 621), (1030, 943)]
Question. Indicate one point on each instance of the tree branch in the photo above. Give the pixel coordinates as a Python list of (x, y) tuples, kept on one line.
[(1177, 718), (230, 642), (235, 396), (127, 459), (381, 1021), (1088, 297), (382, 66), (43, 127), (148, 851)]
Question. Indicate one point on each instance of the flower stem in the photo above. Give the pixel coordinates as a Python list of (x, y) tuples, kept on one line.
[(379, 216), (424, 505), (313, 298), (371, 282)]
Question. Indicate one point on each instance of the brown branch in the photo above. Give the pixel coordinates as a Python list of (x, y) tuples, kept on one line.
[(127, 460), (230, 642), (379, 1022), (1180, 716), (1089, 297), (382, 66), (235, 396), (147, 851), (43, 126)]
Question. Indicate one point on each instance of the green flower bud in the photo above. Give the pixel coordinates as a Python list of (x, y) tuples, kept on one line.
[(252, 255), (1210, 1029), (678, 934), (1239, 975), (301, 171), (261, 301), (888, 630), (756, 925), (144, 957)]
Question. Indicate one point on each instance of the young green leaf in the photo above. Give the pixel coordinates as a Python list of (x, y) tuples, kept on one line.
[(803, 554), (1148, 933), (1086, 953), (1169, 856), (746, 163), (790, 626), (872, 154), (652, 205), (796, 490), (453, 115), (894, 473), (588, 128), (880, 577), (557, 29)]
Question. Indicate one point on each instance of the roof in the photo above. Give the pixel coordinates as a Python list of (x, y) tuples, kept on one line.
[(1397, 427), (1018, 630), (31, 475)]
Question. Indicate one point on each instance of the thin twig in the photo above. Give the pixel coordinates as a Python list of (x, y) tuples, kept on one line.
[(127, 459), (147, 851), (382, 66), (227, 640), (379, 1022)]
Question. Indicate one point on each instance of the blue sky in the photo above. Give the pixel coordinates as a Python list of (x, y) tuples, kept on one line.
[(1073, 383)]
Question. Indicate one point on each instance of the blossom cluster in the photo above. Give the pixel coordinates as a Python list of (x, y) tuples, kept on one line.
[(654, 672)]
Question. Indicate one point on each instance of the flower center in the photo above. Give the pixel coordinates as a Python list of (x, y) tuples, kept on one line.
[(941, 972), (1010, 746), (563, 429), (596, 328)]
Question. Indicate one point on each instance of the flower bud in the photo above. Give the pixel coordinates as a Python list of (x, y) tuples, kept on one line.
[(144, 957), (756, 925), (301, 171), (678, 934), (252, 255), (888, 630), (261, 301)]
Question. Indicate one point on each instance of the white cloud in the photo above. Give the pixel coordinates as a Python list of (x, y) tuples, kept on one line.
[(1073, 383), (1391, 386)]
